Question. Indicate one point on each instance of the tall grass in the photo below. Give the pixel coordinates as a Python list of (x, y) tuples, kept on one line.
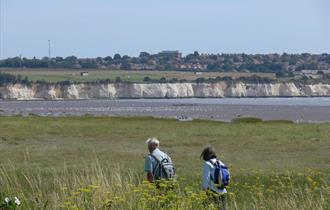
[(97, 162), (108, 186)]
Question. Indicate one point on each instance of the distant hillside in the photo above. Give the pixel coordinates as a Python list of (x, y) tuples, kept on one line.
[(281, 64)]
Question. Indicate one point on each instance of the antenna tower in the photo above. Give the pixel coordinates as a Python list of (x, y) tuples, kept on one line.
[(49, 54), (49, 50)]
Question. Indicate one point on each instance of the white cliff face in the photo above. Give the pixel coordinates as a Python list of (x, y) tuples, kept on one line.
[(105, 91), (216, 90), (20, 92), (316, 90), (289, 89), (236, 90), (261, 90), (160, 90), (48, 92), (167, 90), (52, 93), (74, 92), (156, 90)]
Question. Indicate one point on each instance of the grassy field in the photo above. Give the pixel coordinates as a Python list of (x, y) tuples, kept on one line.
[(57, 75), (97, 163)]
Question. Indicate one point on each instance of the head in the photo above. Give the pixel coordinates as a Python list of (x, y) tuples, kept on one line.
[(208, 153), (152, 143)]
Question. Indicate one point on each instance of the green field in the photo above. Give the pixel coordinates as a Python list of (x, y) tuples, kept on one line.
[(97, 162), (57, 75)]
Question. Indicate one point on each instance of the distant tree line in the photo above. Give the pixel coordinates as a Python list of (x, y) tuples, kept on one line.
[(272, 63)]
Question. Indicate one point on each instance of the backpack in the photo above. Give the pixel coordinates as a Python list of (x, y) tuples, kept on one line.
[(221, 176), (165, 168)]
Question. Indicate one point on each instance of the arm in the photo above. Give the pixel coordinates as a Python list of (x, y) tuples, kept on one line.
[(150, 177), (148, 168), (206, 176)]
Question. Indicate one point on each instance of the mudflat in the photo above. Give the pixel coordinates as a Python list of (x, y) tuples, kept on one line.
[(311, 110)]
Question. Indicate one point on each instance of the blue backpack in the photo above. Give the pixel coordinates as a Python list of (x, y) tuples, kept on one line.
[(221, 176)]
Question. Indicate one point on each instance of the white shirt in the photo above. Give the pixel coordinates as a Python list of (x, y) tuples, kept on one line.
[(208, 173)]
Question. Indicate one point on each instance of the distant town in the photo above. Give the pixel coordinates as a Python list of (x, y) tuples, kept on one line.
[(283, 65)]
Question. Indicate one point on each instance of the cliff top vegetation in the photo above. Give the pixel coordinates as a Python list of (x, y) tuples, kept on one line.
[(66, 77), (173, 60)]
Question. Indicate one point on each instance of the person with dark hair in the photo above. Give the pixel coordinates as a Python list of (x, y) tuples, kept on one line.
[(215, 191)]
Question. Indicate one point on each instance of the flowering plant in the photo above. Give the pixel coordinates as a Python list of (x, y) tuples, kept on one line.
[(9, 203)]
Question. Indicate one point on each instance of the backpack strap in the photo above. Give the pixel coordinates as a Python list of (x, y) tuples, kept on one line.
[(157, 172), (215, 163), (152, 155)]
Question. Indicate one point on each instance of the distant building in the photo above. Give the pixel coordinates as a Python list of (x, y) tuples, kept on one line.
[(84, 73), (307, 71), (173, 53), (195, 66), (310, 73)]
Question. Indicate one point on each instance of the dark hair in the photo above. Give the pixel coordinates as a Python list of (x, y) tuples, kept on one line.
[(208, 153)]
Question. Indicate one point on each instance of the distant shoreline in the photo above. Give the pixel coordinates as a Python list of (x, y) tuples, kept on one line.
[(299, 110)]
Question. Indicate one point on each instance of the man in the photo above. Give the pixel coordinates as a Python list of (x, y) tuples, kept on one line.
[(157, 164)]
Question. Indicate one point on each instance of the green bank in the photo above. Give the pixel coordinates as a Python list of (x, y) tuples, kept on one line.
[(41, 155)]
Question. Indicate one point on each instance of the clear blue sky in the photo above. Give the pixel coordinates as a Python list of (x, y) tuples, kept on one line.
[(91, 28)]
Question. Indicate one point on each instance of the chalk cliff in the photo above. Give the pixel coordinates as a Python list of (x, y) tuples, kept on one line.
[(160, 90)]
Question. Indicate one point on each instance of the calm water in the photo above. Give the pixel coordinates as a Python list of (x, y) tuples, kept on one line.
[(316, 101), (296, 109)]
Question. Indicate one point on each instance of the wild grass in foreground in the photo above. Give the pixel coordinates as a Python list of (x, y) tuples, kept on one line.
[(97, 163), (110, 187)]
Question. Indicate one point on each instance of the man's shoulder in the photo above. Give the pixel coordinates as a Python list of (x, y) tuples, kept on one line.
[(158, 152), (162, 152), (148, 157)]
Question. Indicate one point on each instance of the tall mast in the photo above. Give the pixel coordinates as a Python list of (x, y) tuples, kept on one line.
[(49, 54), (49, 50)]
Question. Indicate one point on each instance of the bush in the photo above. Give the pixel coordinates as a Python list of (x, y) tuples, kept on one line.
[(256, 79), (7, 78), (280, 121), (247, 120), (147, 79), (118, 80), (173, 80), (162, 80), (65, 82), (201, 80)]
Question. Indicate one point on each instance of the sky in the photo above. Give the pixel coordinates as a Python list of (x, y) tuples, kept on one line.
[(92, 28)]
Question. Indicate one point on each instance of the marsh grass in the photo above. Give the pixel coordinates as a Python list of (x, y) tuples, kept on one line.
[(110, 187), (247, 120), (96, 163)]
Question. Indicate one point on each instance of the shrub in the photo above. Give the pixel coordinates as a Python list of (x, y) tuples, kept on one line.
[(247, 120), (147, 79), (118, 80)]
